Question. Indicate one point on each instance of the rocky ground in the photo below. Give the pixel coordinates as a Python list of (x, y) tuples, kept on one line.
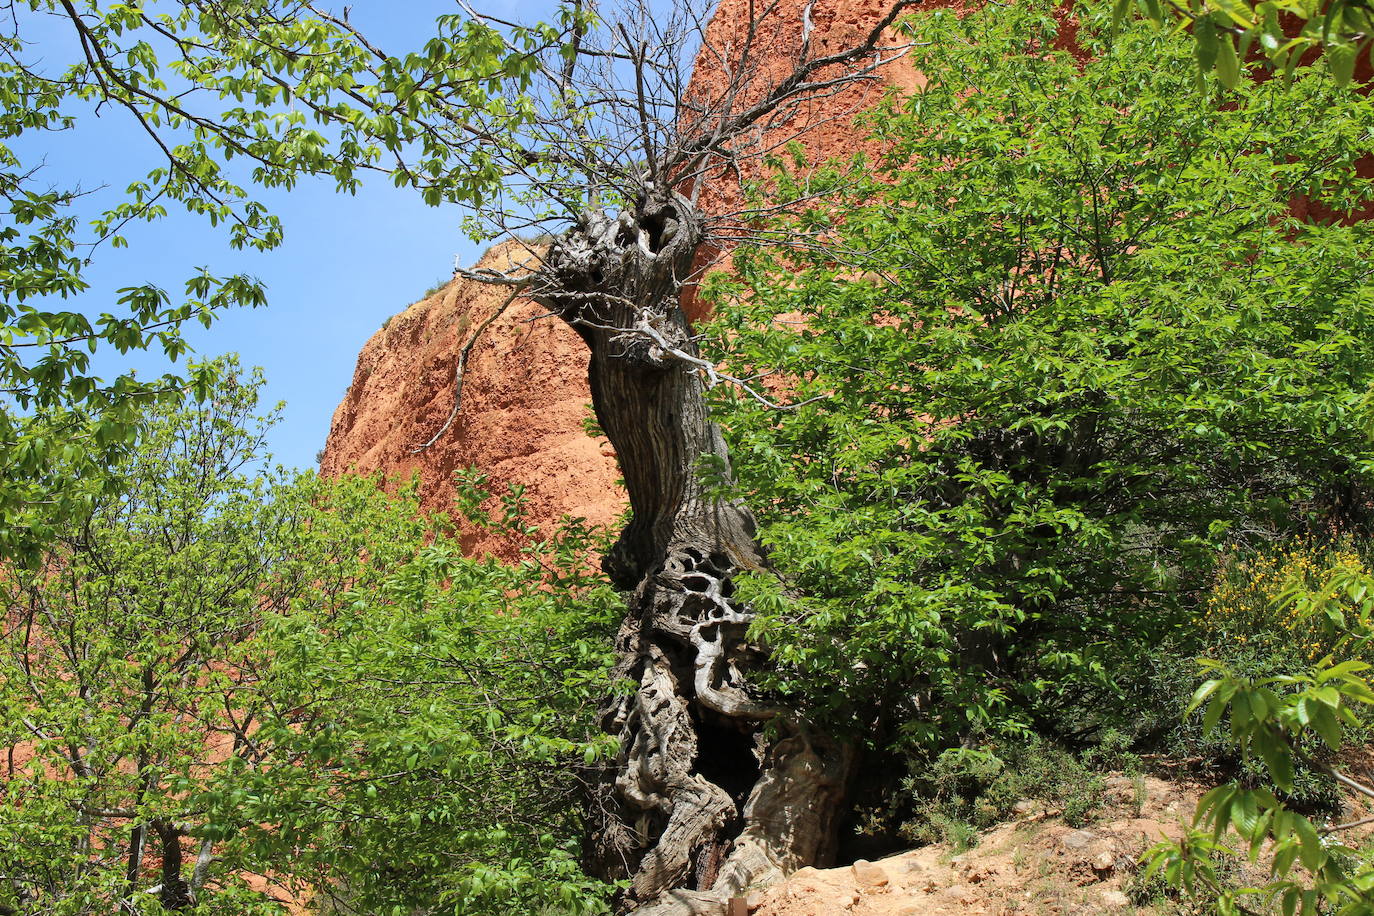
[(1034, 866)]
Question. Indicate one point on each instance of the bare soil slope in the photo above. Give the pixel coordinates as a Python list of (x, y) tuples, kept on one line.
[(1034, 866)]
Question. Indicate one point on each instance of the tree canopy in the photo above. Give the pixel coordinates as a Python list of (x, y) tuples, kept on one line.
[(1073, 335), (260, 93), (228, 688), (233, 97)]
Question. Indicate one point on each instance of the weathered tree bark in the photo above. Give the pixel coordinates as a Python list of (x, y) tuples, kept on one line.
[(701, 803), (175, 893)]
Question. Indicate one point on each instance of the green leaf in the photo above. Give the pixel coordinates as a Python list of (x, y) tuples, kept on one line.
[(1207, 43), (1278, 758), (1312, 853), (1325, 724), (1220, 701), (1227, 62), (1202, 693), (1341, 59)]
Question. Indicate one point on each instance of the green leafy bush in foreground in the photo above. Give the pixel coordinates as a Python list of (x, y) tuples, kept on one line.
[(1244, 625), (1276, 721), (227, 670)]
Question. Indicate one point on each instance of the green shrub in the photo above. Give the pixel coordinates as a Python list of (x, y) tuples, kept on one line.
[(392, 726), (1243, 624), (965, 790), (1243, 618), (1076, 348), (1274, 723), (439, 286)]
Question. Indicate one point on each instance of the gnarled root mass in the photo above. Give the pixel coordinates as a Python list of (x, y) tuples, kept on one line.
[(713, 792)]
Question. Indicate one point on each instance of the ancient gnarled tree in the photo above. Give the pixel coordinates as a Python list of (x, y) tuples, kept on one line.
[(714, 789), (588, 127)]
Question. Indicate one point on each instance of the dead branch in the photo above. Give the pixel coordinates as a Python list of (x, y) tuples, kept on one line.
[(460, 369)]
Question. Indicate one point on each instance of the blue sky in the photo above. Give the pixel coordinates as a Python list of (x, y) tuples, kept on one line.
[(348, 262)]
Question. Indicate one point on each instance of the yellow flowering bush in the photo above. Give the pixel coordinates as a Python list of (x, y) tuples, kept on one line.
[(1243, 612)]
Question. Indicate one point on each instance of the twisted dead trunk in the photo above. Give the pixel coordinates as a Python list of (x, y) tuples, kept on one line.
[(700, 805)]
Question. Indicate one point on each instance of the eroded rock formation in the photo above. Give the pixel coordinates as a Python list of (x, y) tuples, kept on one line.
[(525, 400)]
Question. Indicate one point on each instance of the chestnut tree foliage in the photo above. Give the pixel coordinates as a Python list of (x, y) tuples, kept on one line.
[(222, 672), (1077, 330), (230, 97), (1285, 34), (585, 127)]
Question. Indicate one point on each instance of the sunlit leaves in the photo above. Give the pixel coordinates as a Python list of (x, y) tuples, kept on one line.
[(1283, 34), (227, 96), (1068, 338), (307, 676)]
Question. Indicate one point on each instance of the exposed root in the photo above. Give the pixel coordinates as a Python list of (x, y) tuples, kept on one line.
[(689, 640)]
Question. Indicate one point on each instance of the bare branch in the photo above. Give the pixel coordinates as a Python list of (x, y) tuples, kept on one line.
[(708, 369), (1349, 825), (460, 369)]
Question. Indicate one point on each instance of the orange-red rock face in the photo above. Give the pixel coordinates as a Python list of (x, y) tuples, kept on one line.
[(823, 126), (524, 399)]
